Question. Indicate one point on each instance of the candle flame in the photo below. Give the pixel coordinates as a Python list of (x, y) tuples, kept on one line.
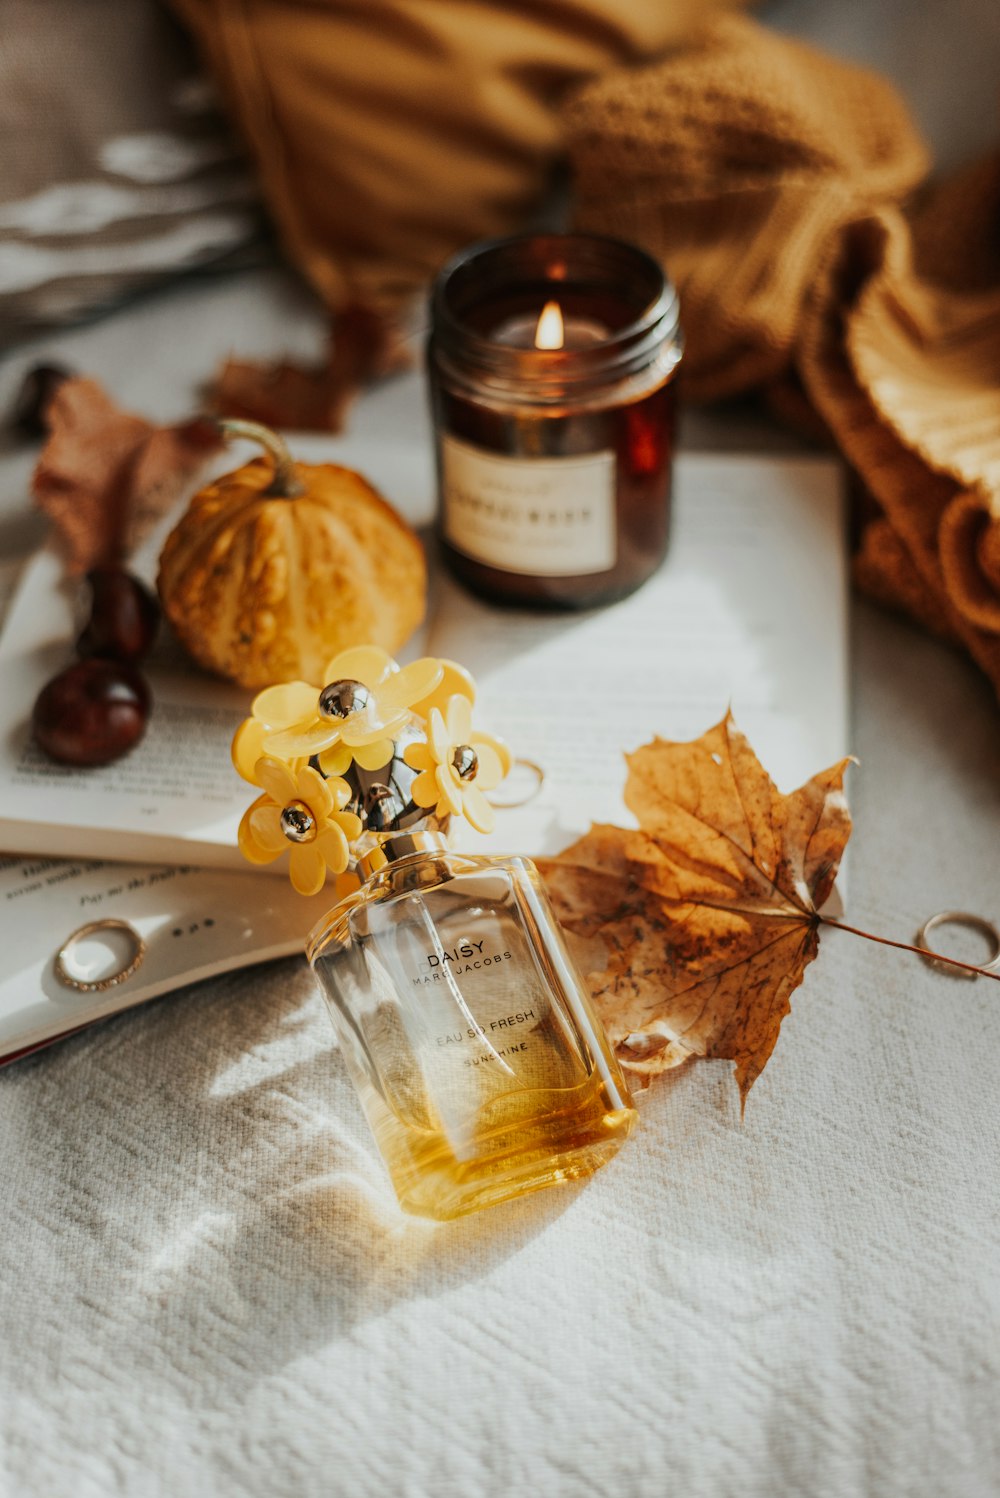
[(549, 333)]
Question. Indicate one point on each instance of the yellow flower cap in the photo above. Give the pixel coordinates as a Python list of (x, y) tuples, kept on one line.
[(367, 699), (455, 682), (354, 723), (301, 814), (457, 765)]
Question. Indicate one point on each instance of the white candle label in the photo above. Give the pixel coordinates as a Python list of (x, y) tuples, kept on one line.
[(545, 517)]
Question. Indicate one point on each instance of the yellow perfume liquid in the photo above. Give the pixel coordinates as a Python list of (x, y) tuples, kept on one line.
[(468, 1031)]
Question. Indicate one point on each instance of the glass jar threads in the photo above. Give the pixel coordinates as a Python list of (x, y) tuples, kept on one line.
[(551, 363)]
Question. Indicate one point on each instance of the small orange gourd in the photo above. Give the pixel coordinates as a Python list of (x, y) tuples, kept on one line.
[(280, 565)]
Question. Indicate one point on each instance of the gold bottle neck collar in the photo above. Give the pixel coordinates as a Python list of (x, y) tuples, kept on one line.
[(401, 845), (393, 850)]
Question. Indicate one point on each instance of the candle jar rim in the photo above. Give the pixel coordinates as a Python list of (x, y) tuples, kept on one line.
[(594, 263)]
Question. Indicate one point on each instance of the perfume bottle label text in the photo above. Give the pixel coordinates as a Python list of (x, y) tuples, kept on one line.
[(486, 1056), (464, 949), (467, 957), (477, 1032)]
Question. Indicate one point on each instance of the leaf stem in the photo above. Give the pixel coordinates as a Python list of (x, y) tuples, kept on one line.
[(905, 946)]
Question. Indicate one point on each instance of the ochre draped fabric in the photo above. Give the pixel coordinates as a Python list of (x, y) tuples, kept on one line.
[(390, 133), (779, 187)]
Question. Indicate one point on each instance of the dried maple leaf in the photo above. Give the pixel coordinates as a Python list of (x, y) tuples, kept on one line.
[(313, 397), (707, 914), (106, 475)]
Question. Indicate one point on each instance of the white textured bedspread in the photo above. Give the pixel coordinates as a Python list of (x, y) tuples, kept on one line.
[(206, 1287)]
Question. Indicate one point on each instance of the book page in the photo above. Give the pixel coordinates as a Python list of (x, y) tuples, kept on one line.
[(175, 795), (749, 611), (195, 923)]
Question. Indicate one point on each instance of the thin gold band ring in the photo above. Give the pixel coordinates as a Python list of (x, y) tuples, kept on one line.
[(530, 793), (976, 923), (98, 985)]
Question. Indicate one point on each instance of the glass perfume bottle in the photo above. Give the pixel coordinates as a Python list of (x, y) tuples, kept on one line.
[(467, 1029)]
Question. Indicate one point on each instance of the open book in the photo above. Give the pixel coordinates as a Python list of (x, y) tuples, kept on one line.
[(195, 923), (749, 610)]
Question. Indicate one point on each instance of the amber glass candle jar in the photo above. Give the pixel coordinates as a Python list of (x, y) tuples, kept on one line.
[(551, 363)]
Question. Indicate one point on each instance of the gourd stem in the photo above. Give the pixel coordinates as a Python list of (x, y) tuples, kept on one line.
[(284, 484)]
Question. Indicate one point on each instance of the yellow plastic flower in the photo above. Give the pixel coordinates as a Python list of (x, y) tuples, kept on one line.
[(457, 766), (272, 709), (365, 702), (302, 814), (455, 681)]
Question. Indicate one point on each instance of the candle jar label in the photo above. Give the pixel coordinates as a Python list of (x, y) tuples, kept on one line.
[(547, 517)]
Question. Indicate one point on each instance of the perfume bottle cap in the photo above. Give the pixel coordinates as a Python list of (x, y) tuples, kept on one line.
[(401, 845)]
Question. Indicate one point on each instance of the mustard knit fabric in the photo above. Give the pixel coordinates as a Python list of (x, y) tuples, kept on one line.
[(779, 186)]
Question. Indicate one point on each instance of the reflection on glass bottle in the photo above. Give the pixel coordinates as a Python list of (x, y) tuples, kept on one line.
[(467, 1029)]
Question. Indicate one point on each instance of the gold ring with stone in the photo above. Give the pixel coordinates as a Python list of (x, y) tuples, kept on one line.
[(98, 985)]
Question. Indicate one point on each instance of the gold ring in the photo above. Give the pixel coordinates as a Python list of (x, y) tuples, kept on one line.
[(973, 923), (529, 795), (98, 985)]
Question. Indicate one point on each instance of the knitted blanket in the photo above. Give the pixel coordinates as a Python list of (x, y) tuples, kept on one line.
[(782, 190)]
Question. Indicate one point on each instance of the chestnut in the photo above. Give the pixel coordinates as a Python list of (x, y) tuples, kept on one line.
[(92, 713)]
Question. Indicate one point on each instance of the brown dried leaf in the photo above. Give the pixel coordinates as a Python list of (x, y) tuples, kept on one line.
[(105, 475), (163, 465), (708, 913), (313, 397)]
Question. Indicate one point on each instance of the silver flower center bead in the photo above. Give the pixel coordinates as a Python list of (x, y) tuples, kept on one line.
[(339, 699), (465, 762), (298, 823)]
